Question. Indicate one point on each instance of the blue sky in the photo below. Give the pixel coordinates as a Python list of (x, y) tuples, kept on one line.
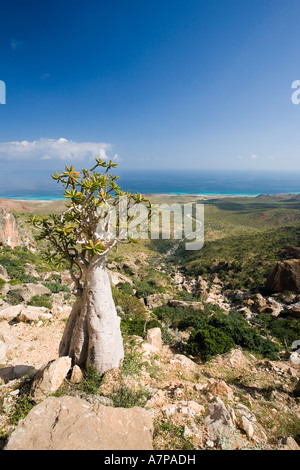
[(153, 84)]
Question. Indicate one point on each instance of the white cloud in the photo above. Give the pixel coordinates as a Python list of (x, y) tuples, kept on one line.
[(46, 149), (253, 156)]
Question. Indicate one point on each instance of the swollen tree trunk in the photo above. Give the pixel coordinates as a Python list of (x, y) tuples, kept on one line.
[(92, 337)]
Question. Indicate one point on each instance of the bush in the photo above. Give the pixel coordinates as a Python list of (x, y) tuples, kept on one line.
[(13, 298), (124, 397), (209, 342), (41, 301), (145, 288), (56, 287), (134, 318), (126, 288)]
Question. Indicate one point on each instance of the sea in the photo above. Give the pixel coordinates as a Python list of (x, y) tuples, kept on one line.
[(38, 185)]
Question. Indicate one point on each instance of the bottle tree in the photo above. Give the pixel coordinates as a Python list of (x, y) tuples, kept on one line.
[(82, 236)]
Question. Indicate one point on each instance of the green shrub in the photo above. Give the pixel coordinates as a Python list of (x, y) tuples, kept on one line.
[(91, 381), (14, 268), (56, 287), (232, 325), (124, 397), (134, 318), (209, 342), (41, 301), (153, 324), (145, 288), (13, 298), (126, 288)]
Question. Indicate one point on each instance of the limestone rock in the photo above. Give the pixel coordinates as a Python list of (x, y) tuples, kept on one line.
[(219, 420), (29, 269), (156, 300), (48, 379), (288, 443), (153, 340), (70, 423), (77, 375), (27, 291), (16, 372), (284, 277), (220, 388), (246, 426), (118, 278), (202, 289), (11, 312), (236, 358), (34, 314)]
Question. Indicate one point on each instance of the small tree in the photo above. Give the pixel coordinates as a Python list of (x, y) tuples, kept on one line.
[(83, 236)]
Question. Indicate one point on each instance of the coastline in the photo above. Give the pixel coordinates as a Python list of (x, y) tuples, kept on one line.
[(57, 204)]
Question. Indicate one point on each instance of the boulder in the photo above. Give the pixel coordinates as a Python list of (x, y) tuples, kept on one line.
[(48, 379), (29, 269), (219, 420), (153, 340), (284, 277), (27, 291), (71, 423), (11, 312), (202, 289), (220, 388), (237, 359), (246, 426), (77, 375), (259, 303), (288, 443), (4, 288), (294, 311), (16, 372), (30, 313), (156, 300), (118, 278)]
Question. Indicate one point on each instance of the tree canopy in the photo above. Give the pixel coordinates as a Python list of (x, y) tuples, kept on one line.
[(90, 226)]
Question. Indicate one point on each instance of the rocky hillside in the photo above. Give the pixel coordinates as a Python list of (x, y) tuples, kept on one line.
[(233, 401), (13, 232), (207, 366)]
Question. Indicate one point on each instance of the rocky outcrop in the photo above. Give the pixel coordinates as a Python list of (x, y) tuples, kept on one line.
[(157, 300), (153, 340), (219, 420), (118, 278), (11, 232), (70, 423), (284, 277), (27, 291), (48, 379), (22, 313)]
